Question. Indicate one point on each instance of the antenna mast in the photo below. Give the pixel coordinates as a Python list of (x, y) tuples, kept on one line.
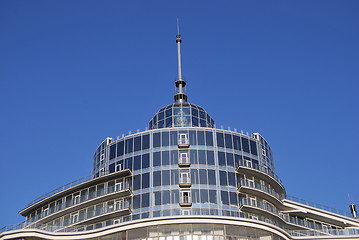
[(180, 82)]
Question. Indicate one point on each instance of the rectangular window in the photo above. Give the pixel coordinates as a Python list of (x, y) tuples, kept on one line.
[(231, 179), (157, 198), (145, 200), (174, 157), (253, 147), (228, 139), (145, 142), (174, 176), (165, 158), (212, 196), (211, 177), (129, 145), (202, 157), (223, 178), (194, 176), (136, 182), (192, 138), (112, 151), (209, 138), (237, 143), (195, 196), (157, 178), (220, 140), (165, 139), (210, 158), (166, 197), (224, 197), (200, 136), (193, 157), (137, 163), (145, 161), (230, 160), (145, 180), (203, 176), (204, 196), (156, 139), (174, 196), (245, 145), (166, 177), (120, 148), (174, 138), (156, 159), (137, 143), (221, 159)]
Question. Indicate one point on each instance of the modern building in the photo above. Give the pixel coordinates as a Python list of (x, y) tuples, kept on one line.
[(183, 179)]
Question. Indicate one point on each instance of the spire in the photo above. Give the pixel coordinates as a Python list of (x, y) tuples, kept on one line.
[(180, 82)]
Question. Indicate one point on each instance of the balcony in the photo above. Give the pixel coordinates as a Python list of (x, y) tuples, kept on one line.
[(261, 172), (254, 188), (183, 142), (185, 201), (261, 208), (185, 182), (89, 199), (184, 162)]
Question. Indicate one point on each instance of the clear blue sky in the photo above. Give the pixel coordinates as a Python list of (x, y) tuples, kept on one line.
[(75, 72)]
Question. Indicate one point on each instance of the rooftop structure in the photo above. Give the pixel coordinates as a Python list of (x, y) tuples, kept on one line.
[(183, 179)]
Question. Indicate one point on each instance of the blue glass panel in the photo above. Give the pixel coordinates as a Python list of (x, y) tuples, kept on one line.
[(202, 157), (137, 143), (161, 116), (245, 144), (145, 200), (157, 178), (120, 148), (203, 176), (220, 140), (174, 196), (200, 138), (145, 142), (212, 196), (145, 180), (253, 147), (165, 158), (137, 163), (186, 111), (174, 157), (210, 157), (204, 196), (202, 115), (156, 159), (237, 143), (194, 176), (169, 122), (221, 159), (145, 161), (112, 151), (223, 178), (154, 119), (195, 122), (174, 138), (174, 177), (231, 179), (203, 123), (157, 196), (169, 112), (111, 168), (230, 160), (193, 157), (177, 111), (212, 177), (161, 124), (228, 140), (192, 138), (209, 138), (224, 197), (194, 112), (166, 197), (233, 198), (128, 163), (195, 196), (129, 145), (136, 182), (156, 139)]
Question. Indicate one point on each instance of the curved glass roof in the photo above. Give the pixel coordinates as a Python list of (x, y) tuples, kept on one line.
[(181, 114)]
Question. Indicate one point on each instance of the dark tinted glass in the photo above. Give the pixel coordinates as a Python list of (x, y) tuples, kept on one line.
[(192, 138), (146, 180), (194, 176), (195, 121), (201, 157), (136, 202), (129, 145), (137, 163), (195, 196), (204, 196), (157, 178), (174, 138), (165, 158), (161, 116), (156, 140), (233, 198), (145, 141), (174, 157), (169, 112), (253, 147), (157, 198), (174, 176), (128, 163), (165, 138), (209, 138), (200, 138), (168, 122), (221, 159), (230, 160), (223, 178), (174, 196), (210, 158), (212, 196), (145, 200), (224, 197), (245, 145), (166, 179), (228, 139), (156, 159), (166, 197), (237, 143), (194, 112), (120, 148), (202, 176), (220, 140), (113, 151), (145, 161), (231, 179), (137, 143), (193, 157), (211, 177), (136, 182)]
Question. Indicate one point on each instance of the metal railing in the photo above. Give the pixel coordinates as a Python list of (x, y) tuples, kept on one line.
[(259, 168), (183, 160), (320, 206), (261, 187), (184, 180), (64, 187), (80, 199)]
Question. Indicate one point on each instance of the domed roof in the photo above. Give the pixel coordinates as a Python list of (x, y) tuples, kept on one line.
[(181, 114)]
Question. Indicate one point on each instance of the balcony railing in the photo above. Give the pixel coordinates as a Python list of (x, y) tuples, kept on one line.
[(320, 206), (183, 161), (178, 212), (263, 188), (81, 198), (185, 181), (64, 187), (259, 168)]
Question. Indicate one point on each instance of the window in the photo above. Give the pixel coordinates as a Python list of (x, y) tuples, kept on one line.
[(183, 139), (76, 198), (185, 196)]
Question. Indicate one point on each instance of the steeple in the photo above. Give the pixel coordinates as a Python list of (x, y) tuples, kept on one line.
[(180, 82)]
